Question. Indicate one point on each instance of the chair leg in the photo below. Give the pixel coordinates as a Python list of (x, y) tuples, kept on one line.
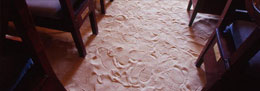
[(205, 49), (102, 4), (3, 26), (199, 62), (93, 22), (79, 42), (3, 21), (194, 13), (189, 5)]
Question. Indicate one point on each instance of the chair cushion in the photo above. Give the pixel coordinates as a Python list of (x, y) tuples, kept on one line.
[(46, 8), (241, 30)]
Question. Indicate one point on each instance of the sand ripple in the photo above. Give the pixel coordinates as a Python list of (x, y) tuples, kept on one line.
[(143, 45)]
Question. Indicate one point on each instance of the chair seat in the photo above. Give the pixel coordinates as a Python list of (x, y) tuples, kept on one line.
[(65, 15), (210, 6), (47, 8), (241, 30)]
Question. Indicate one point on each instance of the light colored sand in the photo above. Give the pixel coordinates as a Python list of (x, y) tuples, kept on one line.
[(143, 45)]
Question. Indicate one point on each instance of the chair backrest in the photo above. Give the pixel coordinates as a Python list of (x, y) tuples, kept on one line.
[(213, 6), (76, 4), (77, 10)]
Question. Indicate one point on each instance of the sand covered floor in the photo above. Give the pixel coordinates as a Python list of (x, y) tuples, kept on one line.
[(143, 45)]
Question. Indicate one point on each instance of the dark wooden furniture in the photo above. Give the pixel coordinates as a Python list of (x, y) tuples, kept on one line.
[(65, 15), (231, 56), (254, 9), (205, 6), (102, 4), (24, 65), (3, 19)]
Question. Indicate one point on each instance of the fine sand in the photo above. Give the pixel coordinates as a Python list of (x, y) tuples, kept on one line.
[(142, 45)]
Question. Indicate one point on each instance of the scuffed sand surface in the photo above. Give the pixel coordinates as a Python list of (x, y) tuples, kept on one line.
[(143, 45)]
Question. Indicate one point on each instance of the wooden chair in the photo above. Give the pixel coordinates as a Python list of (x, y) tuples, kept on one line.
[(65, 15), (228, 51), (14, 54), (205, 6), (102, 4)]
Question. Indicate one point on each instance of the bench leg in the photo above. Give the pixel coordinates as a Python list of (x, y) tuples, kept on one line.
[(93, 22), (79, 42)]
